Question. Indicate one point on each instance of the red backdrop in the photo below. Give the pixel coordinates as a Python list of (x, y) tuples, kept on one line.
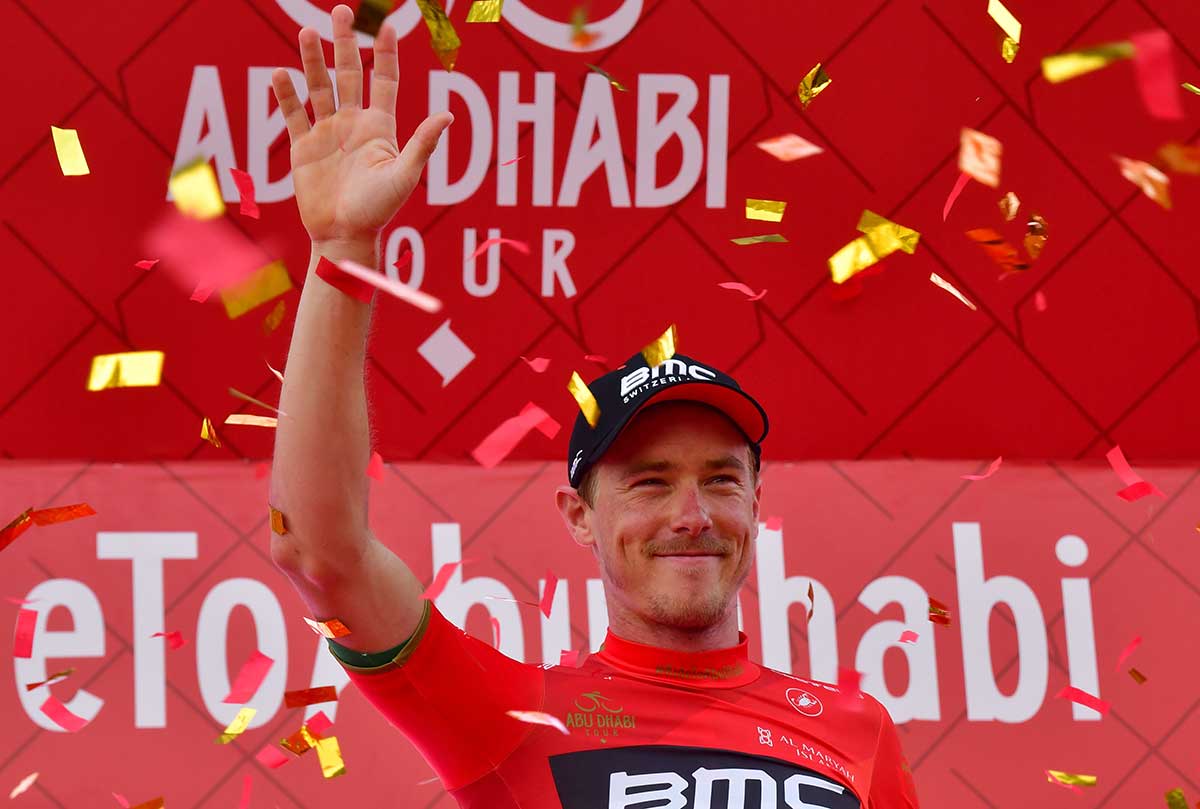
[(904, 368)]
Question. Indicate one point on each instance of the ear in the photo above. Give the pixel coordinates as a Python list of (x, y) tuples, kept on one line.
[(576, 515), (757, 499)]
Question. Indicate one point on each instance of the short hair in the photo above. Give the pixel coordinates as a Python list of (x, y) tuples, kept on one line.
[(587, 484)]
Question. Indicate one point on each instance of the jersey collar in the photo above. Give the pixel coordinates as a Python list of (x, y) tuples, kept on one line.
[(718, 668)]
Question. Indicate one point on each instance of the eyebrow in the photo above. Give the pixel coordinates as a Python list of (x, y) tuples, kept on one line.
[(723, 462)]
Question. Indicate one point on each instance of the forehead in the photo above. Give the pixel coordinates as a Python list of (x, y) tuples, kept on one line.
[(676, 430)]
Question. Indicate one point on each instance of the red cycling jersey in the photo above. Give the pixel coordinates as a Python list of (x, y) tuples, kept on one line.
[(648, 728)]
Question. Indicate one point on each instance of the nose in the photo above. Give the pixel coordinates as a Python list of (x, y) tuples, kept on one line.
[(690, 515)]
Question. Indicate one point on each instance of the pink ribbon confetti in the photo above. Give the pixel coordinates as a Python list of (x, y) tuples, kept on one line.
[(991, 470), (122, 800), (774, 523), (1135, 486), (247, 784), (514, 160), (375, 466), (271, 757), (495, 632), (497, 445), (318, 724), (540, 718), (547, 601), (737, 286), (959, 185), (146, 264), (444, 574), (598, 358), (1127, 651), (1039, 301), (60, 715), (175, 640), (520, 247), (1154, 66), (23, 638), (1074, 788), (20, 602), (538, 364), (404, 259), (249, 678), (1084, 698), (245, 187), (908, 636)]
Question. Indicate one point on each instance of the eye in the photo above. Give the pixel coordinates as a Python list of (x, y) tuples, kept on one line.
[(725, 479), (650, 482)]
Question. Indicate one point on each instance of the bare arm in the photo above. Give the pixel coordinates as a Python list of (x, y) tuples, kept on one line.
[(350, 178)]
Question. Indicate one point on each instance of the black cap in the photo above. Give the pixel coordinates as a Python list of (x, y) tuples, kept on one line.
[(623, 392)]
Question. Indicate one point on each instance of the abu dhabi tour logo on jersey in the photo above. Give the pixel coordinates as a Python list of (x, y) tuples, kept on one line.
[(600, 716), (668, 372), (804, 701)]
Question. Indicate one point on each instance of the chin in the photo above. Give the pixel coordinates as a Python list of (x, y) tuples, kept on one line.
[(695, 612)]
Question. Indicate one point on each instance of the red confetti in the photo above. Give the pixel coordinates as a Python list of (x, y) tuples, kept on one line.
[(175, 639), (959, 185), (991, 470), (444, 574), (245, 186), (19, 525), (598, 358), (343, 282), (247, 781), (52, 516), (547, 602), (737, 286), (1127, 651), (495, 632), (849, 680), (20, 602), (61, 716), (1135, 486), (538, 364), (908, 636), (122, 800), (375, 466), (318, 724), (146, 264), (261, 470), (504, 439), (521, 247), (404, 260), (514, 160), (1039, 301), (23, 639), (1084, 698), (939, 613), (774, 523), (309, 696), (249, 678), (271, 757), (1154, 66)]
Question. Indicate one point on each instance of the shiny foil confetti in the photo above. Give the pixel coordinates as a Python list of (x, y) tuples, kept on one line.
[(998, 250), (153, 803), (443, 37), (812, 85), (812, 602), (245, 186), (1008, 49), (608, 76), (1191, 88), (886, 235), (309, 696), (1176, 799), (766, 210), (1181, 158), (370, 15), (56, 676), (949, 287), (277, 374), (939, 613), (24, 784), (146, 263), (770, 238), (1010, 203), (1153, 183), (237, 394), (263, 285), (196, 192), (333, 628), (540, 718), (330, 755), (247, 420), (57, 514), (1063, 66), (274, 318), (238, 726), (270, 757), (19, 525), (485, 11), (69, 151), (1137, 676), (299, 742), (662, 349), (583, 396), (129, 369), (580, 36), (1005, 19), (789, 147), (979, 156), (1069, 779), (209, 433), (278, 526), (318, 724), (1036, 234)]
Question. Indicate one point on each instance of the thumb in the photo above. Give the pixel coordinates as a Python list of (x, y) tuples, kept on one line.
[(423, 141)]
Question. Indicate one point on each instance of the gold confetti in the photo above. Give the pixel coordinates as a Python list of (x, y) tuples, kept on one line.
[(196, 192), (209, 433), (1036, 236), (949, 287), (997, 249), (25, 784), (1191, 88), (1181, 158), (1176, 799), (1072, 779), (583, 396), (1064, 66), (238, 394), (333, 628), (1008, 49), (256, 289), (939, 613), (767, 210), (330, 755), (277, 524), (274, 318), (443, 37), (881, 238), (1009, 205), (1154, 184), (299, 742), (238, 726), (369, 16), (580, 36), (769, 238), (70, 152), (979, 156), (1005, 19), (608, 76), (812, 85), (1137, 676), (662, 349), (247, 420), (129, 369), (485, 11), (153, 803), (58, 675)]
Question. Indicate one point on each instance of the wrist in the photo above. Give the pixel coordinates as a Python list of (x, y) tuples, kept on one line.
[(363, 250)]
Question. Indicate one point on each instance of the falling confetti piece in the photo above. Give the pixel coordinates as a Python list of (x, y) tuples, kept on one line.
[(1191, 88), (539, 718), (146, 263), (248, 679), (274, 318), (443, 38), (1005, 19), (849, 681), (23, 637), (1154, 67), (939, 613), (271, 757), (770, 238), (997, 249), (812, 602), (237, 394), (299, 742), (991, 470), (908, 636), (1135, 486), (444, 574), (608, 76), (580, 37), (245, 186), (370, 15), (485, 11), (495, 631), (1009, 204), (662, 349), (70, 152), (774, 523), (766, 210), (58, 514), (20, 524), (597, 358), (1176, 799), (812, 85), (949, 287), (979, 156), (318, 723), (330, 755), (1009, 48), (278, 374), (278, 525), (196, 192), (122, 800), (247, 784), (1083, 698), (247, 420), (238, 726), (789, 147), (422, 300), (129, 369), (1037, 232), (538, 364), (375, 466), (446, 353), (25, 784), (309, 696), (175, 639), (60, 715), (959, 185), (547, 601), (1153, 183), (511, 162), (1069, 780), (1127, 651), (500, 442), (1039, 301), (881, 237), (1063, 66), (1180, 158), (333, 628), (261, 286), (1137, 676), (583, 396), (572, 658), (750, 294), (56, 676), (486, 244), (209, 433), (153, 803)]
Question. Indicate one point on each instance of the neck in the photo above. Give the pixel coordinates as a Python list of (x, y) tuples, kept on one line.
[(624, 623)]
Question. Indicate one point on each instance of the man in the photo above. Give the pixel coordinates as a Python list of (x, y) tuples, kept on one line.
[(664, 490)]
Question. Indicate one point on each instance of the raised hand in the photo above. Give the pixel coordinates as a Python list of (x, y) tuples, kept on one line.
[(349, 173)]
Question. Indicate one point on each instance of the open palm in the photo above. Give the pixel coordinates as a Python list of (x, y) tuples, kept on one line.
[(349, 173)]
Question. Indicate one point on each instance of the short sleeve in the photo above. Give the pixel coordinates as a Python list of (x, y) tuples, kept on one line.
[(891, 778), (449, 693)]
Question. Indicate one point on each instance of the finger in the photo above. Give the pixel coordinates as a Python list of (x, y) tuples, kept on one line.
[(422, 143), (385, 79), (346, 58), (293, 111), (320, 89)]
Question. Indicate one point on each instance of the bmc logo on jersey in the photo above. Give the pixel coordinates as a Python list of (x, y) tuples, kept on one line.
[(804, 701), (690, 778), (551, 33)]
